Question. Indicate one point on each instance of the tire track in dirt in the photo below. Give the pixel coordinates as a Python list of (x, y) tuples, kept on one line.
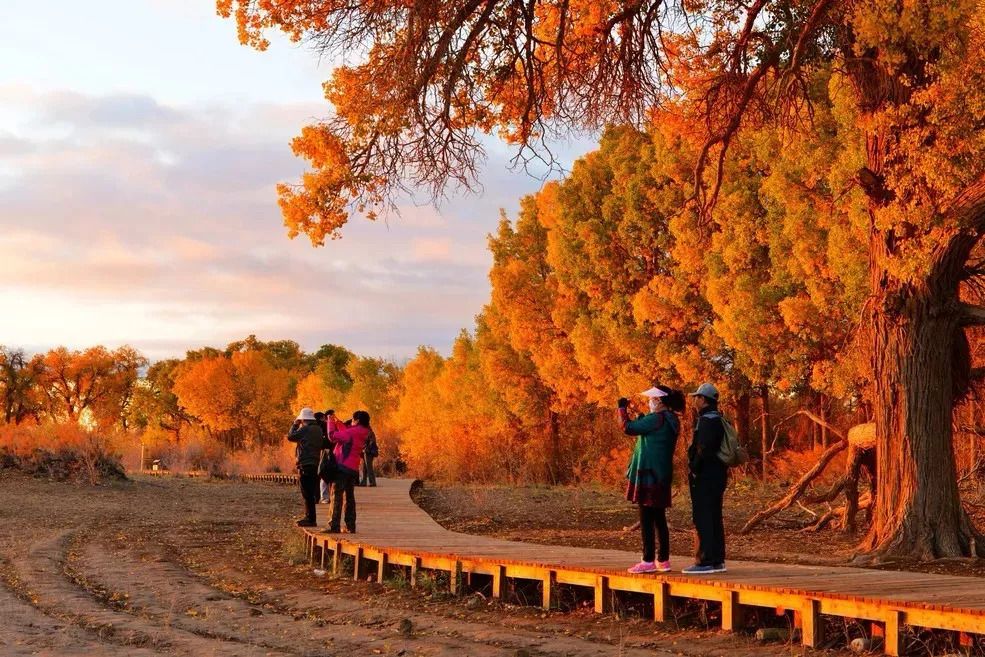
[(39, 575), (147, 581), (28, 631)]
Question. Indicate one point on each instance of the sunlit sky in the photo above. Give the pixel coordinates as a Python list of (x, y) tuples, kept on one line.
[(139, 149)]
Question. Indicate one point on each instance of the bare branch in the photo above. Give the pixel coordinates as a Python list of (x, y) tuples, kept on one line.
[(971, 315)]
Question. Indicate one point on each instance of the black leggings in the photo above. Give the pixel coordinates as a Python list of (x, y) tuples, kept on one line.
[(309, 490), (653, 525)]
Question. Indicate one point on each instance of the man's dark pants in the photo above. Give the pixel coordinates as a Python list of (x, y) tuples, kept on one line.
[(308, 477), (345, 483), (707, 498), (369, 475)]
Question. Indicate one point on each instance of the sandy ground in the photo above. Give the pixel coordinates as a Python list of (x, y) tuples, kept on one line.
[(188, 567)]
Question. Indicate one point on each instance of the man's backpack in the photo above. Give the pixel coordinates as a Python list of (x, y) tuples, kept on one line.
[(731, 453), (372, 450)]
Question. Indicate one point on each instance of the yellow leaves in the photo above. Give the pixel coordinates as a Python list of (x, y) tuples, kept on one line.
[(207, 389), (92, 386), (330, 192), (313, 392)]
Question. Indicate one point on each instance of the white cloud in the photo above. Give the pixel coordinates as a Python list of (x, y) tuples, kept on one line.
[(136, 221)]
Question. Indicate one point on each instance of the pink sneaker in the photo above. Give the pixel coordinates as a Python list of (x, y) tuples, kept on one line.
[(663, 567), (642, 568)]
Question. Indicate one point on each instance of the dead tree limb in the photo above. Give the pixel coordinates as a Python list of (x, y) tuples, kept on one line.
[(861, 439), (838, 516), (811, 416), (798, 488)]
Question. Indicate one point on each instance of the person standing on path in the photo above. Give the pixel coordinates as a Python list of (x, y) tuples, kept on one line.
[(707, 479), (349, 443), (650, 473), (310, 442), (327, 468), (370, 452)]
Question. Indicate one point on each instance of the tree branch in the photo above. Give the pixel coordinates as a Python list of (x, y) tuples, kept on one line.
[(971, 315), (798, 489)]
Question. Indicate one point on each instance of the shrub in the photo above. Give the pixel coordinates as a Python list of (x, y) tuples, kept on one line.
[(61, 453)]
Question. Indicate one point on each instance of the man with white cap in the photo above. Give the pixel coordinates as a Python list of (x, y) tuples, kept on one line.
[(310, 442), (707, 478)]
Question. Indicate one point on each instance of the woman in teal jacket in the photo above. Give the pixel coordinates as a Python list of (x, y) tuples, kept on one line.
[(651, 471)]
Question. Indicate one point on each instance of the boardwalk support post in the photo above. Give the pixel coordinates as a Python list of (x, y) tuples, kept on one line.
[(336, 558), (731, 612), (603, 595), (455, 578), (550, 587), (382, 567), (324, 547), (661, 602), (357, 564), (811, 629), (498, 582), (894, 622), (415, 569)]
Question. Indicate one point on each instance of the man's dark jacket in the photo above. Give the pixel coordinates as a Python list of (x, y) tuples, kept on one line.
[(702, 455), (311, 441)]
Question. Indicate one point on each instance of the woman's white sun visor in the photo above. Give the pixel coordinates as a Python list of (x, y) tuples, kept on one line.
[(654, 392)]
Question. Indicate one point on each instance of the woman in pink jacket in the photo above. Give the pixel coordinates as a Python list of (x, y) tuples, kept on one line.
[(348, 446)]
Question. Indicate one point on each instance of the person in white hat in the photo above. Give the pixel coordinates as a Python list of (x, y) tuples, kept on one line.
[(650, 473), (310, 442), (707, 479)]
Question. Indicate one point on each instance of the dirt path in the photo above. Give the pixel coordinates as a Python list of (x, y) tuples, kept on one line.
[(186, 567)]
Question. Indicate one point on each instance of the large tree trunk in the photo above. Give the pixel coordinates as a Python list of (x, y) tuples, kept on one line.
[(914, 330)]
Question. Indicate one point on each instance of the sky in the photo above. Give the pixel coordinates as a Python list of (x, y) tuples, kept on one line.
[(140, 144)]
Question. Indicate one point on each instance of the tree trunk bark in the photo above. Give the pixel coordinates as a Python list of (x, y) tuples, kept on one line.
[(764, 396), (973, 438), (742, 417), (918, 511), (554, 467), (824, 416)]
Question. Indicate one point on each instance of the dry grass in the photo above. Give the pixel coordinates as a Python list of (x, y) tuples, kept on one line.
[(61, 452), (197, 452)]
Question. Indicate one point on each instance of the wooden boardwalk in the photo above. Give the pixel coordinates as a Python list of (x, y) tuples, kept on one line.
[(395, 532)]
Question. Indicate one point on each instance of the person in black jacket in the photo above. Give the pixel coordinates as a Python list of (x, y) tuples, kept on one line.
[(707, 477), (370, 452), (310, 442)]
